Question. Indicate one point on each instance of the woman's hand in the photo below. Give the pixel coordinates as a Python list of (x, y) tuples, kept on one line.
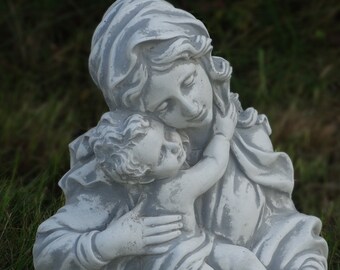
[(225, 125), (135, 235)]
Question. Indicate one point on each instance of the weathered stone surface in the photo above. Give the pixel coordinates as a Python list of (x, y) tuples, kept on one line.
[(177, 175)]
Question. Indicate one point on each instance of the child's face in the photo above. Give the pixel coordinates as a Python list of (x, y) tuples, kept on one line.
[(161, 148)]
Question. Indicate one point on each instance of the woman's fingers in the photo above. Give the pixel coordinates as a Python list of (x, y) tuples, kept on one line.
[(158, 239), (152, 230), (161, 220)]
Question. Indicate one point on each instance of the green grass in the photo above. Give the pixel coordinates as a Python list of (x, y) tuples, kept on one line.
[(286, 60)]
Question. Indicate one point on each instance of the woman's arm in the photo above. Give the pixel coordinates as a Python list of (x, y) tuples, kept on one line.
[(86, 233), (65, 240)]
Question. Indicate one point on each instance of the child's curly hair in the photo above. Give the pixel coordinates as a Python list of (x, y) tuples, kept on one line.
[(112, 142)]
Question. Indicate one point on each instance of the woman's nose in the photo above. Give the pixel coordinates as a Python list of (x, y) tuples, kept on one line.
[(189, 107)]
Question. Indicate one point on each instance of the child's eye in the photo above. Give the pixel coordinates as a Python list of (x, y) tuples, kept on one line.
[(161, 155)]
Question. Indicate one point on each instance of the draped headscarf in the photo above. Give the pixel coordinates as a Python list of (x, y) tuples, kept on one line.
[(126, 39), (118, 66)]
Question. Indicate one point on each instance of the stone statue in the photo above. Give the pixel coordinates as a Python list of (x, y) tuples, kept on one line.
[(176, 175)]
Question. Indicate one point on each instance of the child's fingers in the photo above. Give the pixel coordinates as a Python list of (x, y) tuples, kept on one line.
[(234, 109), (158, 239), (161, 220), (235, 113), (231, 109), (162, 228)]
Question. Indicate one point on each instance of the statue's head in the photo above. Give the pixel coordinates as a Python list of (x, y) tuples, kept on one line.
[(136, 148), (139, 37)]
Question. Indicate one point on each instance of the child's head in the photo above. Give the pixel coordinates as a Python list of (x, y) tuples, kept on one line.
[(137, 150)]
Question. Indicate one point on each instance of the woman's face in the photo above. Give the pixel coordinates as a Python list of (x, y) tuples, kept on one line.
[(182, 96)]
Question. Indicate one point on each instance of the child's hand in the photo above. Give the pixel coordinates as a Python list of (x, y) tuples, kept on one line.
[(135, 235), (225, 125)]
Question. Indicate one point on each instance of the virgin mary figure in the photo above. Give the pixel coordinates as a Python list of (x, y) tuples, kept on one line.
[(141, 52)]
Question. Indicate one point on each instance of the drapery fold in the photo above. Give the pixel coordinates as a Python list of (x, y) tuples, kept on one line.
[(250, 206)]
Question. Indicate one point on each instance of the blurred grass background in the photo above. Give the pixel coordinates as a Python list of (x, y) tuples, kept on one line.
[(286, 60)]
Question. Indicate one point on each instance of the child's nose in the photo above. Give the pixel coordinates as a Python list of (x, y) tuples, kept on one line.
[(174, 147)]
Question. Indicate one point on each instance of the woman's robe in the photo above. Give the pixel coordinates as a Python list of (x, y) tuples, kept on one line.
[(250, 206)]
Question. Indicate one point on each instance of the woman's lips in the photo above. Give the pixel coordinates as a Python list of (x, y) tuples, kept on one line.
[(201, 115)]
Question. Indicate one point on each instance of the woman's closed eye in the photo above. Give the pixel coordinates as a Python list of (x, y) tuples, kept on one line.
[(189, 81), (163, 107)]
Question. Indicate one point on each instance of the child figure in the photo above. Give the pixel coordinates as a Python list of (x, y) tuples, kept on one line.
[(148, 158)]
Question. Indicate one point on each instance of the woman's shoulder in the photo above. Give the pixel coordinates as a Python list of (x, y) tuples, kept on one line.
[(255, 129)]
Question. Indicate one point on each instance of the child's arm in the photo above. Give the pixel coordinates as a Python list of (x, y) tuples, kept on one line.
[(198, 179)]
